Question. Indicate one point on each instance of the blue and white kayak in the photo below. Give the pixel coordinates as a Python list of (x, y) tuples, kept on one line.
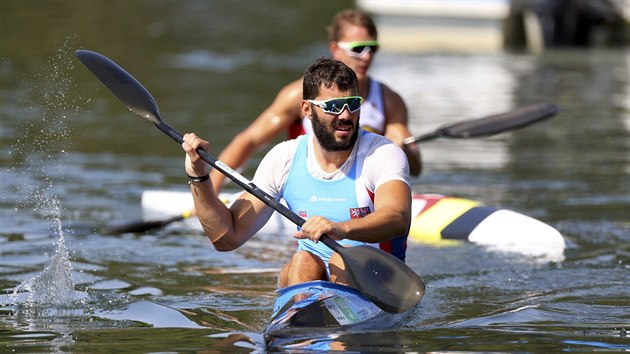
[(319, 304), (436, 219)]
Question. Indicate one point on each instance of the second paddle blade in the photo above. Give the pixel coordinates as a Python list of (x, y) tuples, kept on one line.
[(384, 279), (140, 226), (498, 123)]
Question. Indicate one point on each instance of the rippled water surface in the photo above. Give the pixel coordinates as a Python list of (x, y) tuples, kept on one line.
[(74, 160)]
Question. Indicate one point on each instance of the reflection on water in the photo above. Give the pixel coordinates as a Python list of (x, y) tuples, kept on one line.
[(74, 160), (436, 87)]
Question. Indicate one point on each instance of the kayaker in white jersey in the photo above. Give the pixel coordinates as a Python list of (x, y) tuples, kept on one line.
[(345, 182), (353, 40)]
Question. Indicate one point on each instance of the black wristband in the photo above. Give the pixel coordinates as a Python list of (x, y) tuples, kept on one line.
[(195, 180)]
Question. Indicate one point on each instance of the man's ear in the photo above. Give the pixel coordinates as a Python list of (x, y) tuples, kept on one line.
[(307, 109)]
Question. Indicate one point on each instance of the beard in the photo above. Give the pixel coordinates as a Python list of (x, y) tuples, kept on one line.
[(326, 135)]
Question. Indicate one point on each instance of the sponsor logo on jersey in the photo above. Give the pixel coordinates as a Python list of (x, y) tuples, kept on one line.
[(314, 199)]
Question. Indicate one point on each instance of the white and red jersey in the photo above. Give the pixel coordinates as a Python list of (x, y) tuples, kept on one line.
[(290, 171)]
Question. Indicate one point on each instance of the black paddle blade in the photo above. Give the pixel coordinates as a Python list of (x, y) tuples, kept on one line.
[(140, 226), (498, 123), (121, 84), (388, 282), (491, 125)]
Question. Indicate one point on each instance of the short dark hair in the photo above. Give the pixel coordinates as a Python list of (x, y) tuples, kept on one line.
[(351, 17), (325, 72)]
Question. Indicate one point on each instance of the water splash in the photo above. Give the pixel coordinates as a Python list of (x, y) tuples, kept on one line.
[(54, 284), (47, 301), (38, 156)]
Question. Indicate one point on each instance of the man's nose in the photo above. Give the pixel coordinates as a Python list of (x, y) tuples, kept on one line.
[(345, 112)]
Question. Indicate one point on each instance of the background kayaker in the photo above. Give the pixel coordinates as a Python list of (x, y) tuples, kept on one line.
[(353, 40), (345, 182)]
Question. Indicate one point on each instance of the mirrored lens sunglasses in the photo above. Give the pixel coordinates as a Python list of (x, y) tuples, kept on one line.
[(336, 105), (359, 49)]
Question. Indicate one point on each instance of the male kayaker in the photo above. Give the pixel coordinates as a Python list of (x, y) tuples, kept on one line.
[(345, 182), (353, 41)]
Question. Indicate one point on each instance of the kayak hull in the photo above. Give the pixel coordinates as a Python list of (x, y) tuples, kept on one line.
[(437, 220), (444, 220), (319, 304)]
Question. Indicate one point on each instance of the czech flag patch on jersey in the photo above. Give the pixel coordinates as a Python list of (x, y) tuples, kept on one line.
[(360, 212)]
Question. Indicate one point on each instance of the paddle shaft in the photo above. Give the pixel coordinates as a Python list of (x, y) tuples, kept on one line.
[(246, 184)]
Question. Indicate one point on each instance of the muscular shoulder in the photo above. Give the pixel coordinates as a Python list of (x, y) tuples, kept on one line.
[(392, 99), (290, 93), (283, 111), (395, 107), (285, 108)]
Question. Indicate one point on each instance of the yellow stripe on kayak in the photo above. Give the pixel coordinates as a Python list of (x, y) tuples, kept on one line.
[(428, 225)]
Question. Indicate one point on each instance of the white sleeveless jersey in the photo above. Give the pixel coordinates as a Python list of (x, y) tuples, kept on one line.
[(373, 161)]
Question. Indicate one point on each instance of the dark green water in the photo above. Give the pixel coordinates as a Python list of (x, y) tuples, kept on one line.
[(73, 159)]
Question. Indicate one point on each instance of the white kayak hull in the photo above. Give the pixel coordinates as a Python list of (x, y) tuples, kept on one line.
[(437, 219), (319, 304)]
